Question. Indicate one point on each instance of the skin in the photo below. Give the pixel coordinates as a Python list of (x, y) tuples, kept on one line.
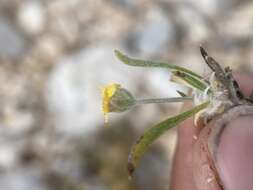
[(228, 161), (230, 153)]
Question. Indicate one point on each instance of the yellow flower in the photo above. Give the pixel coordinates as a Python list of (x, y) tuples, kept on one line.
[(116, 99), (107, 93)]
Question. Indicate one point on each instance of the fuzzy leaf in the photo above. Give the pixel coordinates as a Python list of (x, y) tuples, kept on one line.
[(142, 144), (191, 81), (146, 63)]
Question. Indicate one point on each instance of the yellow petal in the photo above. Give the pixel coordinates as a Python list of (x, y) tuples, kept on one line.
[(107, 92)]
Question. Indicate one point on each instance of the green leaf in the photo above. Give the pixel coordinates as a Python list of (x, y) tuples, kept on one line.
[(146, 63), (191, 81), (142, 144)]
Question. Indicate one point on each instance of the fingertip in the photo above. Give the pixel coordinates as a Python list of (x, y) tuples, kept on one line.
[(234, 154)]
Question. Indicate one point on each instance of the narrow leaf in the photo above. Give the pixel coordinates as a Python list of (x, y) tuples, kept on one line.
[(142, 144), (191, 81), (182, 94), (146, 63)]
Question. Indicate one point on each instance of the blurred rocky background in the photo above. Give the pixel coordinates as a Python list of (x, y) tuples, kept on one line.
[(56, 54)]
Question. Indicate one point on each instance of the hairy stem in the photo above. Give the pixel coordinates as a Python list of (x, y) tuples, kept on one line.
[(163, 100)]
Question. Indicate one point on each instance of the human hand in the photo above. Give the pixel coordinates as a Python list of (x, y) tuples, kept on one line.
[(233, 155)]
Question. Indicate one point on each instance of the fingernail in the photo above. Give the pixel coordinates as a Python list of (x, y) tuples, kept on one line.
[(234, 156)]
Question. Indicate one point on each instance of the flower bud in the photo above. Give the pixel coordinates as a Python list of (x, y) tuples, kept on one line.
[(116, 99)]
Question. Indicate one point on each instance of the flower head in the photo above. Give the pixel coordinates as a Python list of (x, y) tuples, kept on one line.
[(116, 99)]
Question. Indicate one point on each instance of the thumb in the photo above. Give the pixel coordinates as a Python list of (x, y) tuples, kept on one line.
[(223, 153), (235, 154)]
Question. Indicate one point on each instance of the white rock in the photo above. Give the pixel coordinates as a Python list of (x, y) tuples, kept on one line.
[(22, 179), (156, 34), (32, 16), (242, 18), (8, 156), (16, 122), (12, 42), (194, 26), (207, 7)]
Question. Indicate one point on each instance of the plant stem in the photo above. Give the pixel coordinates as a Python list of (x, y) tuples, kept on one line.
[(162, 100)]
